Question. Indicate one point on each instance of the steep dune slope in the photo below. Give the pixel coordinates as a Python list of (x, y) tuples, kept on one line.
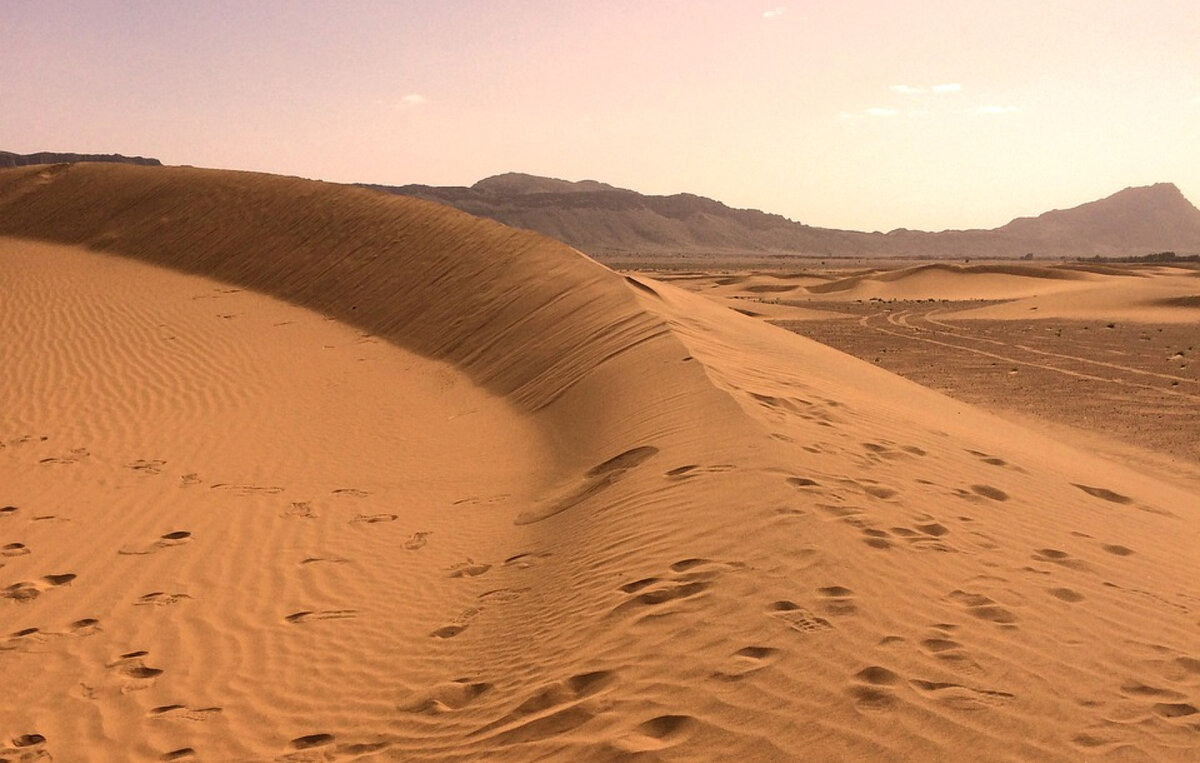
[(558, 514), (439, 282)]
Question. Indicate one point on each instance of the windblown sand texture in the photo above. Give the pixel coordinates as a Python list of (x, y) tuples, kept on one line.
[(295, 471)]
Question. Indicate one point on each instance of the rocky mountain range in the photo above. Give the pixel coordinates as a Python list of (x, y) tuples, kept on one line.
[(605, 221)]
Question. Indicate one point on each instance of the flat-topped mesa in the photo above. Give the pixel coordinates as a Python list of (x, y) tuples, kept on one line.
[(10, 159), (525, 316)]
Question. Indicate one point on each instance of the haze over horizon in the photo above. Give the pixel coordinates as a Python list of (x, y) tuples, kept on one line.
[(859, 115)]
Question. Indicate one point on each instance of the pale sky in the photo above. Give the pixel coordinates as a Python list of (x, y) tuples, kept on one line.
[(863, 114)]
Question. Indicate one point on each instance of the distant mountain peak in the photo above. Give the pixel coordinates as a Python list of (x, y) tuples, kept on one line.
[(521, 184), (1157, 193)]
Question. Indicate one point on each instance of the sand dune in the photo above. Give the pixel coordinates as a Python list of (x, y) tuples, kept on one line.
[(1156, 294), (1063, 291), (1076, 291), (510, 505)]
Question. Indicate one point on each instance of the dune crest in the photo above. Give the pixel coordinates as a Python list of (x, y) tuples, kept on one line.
[(440, 282), (558, 513)]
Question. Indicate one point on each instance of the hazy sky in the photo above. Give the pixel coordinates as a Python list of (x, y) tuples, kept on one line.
[(866, 114)]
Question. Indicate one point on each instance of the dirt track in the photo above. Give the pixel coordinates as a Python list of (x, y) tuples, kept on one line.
[(1135, 382)]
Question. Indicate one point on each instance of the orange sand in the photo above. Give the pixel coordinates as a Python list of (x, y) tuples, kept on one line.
[(513, 506)]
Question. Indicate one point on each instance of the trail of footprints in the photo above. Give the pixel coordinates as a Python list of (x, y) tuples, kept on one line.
[(132, 672), (25, 637), (556, 707), (26, 591), (685, 580), (874, 689), (472, 569), (1149, 703)]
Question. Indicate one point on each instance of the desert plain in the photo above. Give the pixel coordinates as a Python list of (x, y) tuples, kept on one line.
[(301, 471)]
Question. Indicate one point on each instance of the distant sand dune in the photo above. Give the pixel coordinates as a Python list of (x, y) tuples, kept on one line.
[(511, 505)]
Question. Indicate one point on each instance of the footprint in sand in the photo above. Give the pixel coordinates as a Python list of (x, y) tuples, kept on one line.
[(247, 490), (837, 600), (1068, 595), (323, 559), (458, 624), (22, 639), (939, 645), (887, 450), (989, 492), (14, 549), (1104, 494), (308, 615), (447, 697), (160, 599), (694, 470), (1138, 690), (448, 631), (88, 626), (1062, 558), (182, 713), (310, 741), (659, 733), (26, 591), (684, 580), (984, 608), (191, 478), (468, 569), (798, 618), (875, 490), (26, 747), (802, 482), (153, 466), (871, 689), (49, 518), (989, 460), (876, 538), (960, 696), (417, 541), (167, 540), (74, 456), (925, 535), (299, 510), (373, 519), (474, 500), (747, 661), (526, 559), (134, 672), (350, 492)]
